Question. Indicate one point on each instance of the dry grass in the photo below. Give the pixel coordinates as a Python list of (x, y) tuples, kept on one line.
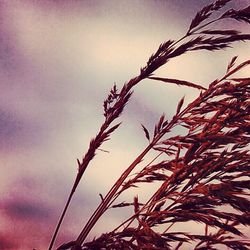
[(202, 170)]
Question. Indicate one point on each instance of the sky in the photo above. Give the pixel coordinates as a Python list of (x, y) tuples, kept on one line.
[(58, 61)]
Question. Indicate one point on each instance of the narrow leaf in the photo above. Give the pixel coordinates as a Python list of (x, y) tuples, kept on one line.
[(242, 65), (178, 82), (180, 104), (231, 63), (242, 79), (221, 32), (113, 128), (146, 132)]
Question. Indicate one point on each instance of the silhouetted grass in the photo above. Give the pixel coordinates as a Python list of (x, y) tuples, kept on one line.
[(201, 172)]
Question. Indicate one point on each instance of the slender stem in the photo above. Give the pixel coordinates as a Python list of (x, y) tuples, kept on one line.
[(94, 145), (108, 198), (169, 227), (122, 190), (61, 219), (171, 124), (103, 206), (114, 189), (202, 26), (154, 159), (113, 194), (179, 40)]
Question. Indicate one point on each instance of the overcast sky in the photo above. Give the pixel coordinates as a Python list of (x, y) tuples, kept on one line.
[(58, 60)]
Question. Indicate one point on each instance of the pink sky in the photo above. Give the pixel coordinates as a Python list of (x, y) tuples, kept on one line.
[(58, 61)]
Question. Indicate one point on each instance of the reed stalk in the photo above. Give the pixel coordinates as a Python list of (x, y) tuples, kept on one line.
[(184, 149)]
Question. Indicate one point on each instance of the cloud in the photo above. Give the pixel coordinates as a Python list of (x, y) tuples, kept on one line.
[(7, 243), (10, 126), (16, 131), (25, 221), (58, 61), (26, 210)]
